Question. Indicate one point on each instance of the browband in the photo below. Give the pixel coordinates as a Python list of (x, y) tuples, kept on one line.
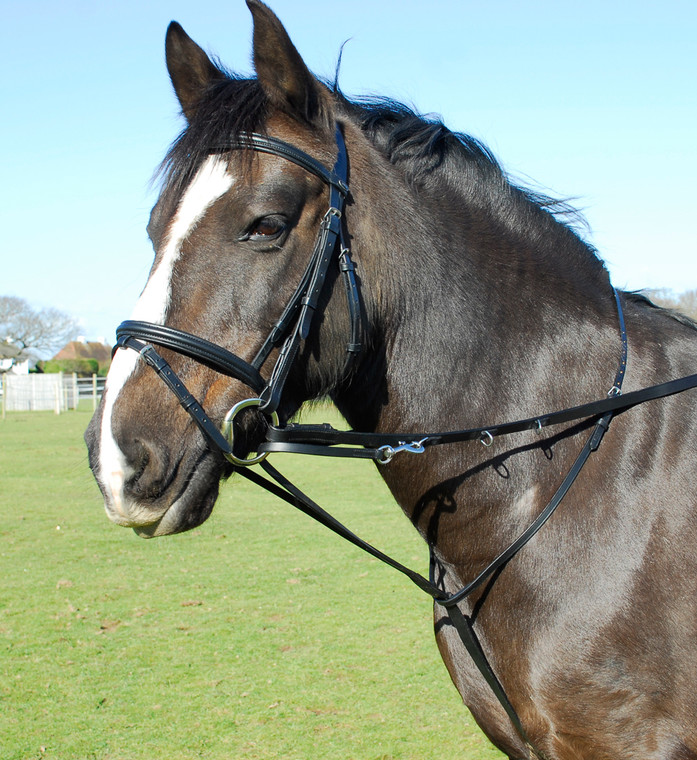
[(265, 144)]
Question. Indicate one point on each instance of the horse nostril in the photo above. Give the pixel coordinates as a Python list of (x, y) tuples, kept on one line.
[(151, 474)]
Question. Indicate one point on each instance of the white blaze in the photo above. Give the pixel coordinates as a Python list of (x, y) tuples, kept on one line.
[(210, 183)]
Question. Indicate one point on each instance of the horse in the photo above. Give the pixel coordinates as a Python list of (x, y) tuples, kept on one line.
[(441, 294)]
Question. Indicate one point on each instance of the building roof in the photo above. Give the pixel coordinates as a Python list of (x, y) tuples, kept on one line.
[(77, 349)]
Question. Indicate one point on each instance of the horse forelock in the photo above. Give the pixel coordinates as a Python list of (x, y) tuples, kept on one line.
[(232, 106)]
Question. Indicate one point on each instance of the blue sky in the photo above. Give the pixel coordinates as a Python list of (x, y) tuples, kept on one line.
[(595, 101)]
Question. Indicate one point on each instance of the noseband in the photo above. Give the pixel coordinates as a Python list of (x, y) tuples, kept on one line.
[(290, 330)]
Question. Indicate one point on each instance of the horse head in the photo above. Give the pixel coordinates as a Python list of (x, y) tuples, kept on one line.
[(232, 232)]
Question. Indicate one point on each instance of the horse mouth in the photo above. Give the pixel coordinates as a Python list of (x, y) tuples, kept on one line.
[(191, 506), (188, 511)]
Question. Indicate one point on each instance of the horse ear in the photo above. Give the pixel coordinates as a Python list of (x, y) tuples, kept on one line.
[(282, 73), (190, 69)]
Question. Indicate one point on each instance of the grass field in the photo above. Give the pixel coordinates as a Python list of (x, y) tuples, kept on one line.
[(258, 635)]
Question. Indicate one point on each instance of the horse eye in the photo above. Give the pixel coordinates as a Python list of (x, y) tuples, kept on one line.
[(268, 228)]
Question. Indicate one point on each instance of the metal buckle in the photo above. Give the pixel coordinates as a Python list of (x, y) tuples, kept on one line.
[(228, 430)]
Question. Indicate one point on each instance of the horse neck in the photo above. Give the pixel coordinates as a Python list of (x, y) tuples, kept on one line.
[(477, 298), (482, 309)]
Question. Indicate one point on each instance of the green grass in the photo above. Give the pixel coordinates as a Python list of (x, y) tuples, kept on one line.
[(258, 635)]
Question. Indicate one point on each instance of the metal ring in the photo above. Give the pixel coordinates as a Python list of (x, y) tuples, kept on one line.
[(486, 439), (228, 430), (387, 453)]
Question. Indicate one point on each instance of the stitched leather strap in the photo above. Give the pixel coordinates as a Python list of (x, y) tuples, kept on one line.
[(294, 324), (186, 399), (266, 144), (320, 436), (204, 351)]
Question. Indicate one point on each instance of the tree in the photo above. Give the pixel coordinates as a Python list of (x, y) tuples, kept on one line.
[(684, 302), (81, 367), (35, 332)]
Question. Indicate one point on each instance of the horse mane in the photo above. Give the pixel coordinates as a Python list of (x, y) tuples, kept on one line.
[(422, 147)]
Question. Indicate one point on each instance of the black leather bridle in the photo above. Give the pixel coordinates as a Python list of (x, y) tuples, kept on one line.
[(292, 327), (290, 330)]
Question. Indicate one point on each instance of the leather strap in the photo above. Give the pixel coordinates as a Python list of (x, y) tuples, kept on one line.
[(204, 351), (284, 489), (294, 496), (186, 399), (265, 144), (464, 625), (353, 300), (288, 438)]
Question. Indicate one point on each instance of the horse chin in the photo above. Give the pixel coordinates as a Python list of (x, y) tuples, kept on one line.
[(191, 508), (181, 516)]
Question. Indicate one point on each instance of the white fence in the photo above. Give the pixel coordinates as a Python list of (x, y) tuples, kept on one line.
[(48, 392)]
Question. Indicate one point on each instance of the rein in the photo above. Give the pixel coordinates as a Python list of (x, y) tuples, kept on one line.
[(290, 330)]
